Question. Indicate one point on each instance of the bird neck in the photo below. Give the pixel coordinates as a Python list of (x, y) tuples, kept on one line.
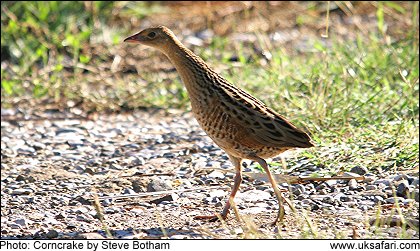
[(193, 70)]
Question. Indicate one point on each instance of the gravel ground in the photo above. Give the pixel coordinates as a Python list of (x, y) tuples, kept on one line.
[(52, 168)]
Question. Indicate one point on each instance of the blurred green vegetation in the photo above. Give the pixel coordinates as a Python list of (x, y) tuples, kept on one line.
[(348, 94), (44, 37)]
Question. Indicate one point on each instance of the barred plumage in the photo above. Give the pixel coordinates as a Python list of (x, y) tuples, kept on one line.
[(239, 123)]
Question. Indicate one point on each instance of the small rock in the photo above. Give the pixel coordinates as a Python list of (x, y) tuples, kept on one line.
[(21, 191), (38, 145), (402, 188), (298, 189), (135, 161), (401, 177), (331, 182), (216, 175), (80, 210), (370, 187), (211, 182), (353, 184), (65, 130), (137, 211), (116, 166), (215, 197), (253, 210), (377, 198), (179, 237), (415, 182), (27, 179), (14, 226), (82, 200), (51, 234), (156, 185), (385, 182), (328, 199), (112, 210), (392, 200), (26, 150), (254, 195), (321, 186), (361, 170), (129, 191), (392, 221), (23, 222), (89, 236), (169, 197)]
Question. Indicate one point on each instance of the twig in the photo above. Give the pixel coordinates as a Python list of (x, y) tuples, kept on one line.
[(327, 20), (157, 193)]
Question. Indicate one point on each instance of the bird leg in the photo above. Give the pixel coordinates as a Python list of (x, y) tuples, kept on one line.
[(237, 162), (280, 214)]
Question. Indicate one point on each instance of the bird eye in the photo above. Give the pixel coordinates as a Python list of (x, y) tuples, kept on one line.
[(151, 34)]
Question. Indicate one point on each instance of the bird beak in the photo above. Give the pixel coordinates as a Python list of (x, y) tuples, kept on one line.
[(136, 38)]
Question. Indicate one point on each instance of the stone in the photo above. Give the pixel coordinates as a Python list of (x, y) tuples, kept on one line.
[(361, 170), (402, 188), (217, 193), (156, 185), (254, 195), (353, 184), (370, 187), (385, 182), (298, 189), (216, 175), (179, 237), (23, 222), (401, 177), (415, 182), (253, 210), (21, 191), (169, 197), (89, 236), (51, 234)]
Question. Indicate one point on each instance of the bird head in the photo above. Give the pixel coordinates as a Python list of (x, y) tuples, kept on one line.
[(157, 37)]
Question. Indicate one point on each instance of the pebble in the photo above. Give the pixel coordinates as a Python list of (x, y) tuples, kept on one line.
[(179, 237), (21, 191), (415, 182), (371, 187), (361, 170), (298, 189), (52, 234), (216, 175), (400, 177), (254, 196), (23, 222), (402, 188), (47, 191), (156, 185), (170, 197), (253, 210), (385, 182), (89, 236), (353, 184), (38, 146), (217, 193)]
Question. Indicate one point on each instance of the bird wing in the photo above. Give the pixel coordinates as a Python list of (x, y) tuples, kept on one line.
[(262, 124)]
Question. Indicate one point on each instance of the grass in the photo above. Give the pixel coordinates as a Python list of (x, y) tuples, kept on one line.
[(360, 98), (357, 97)]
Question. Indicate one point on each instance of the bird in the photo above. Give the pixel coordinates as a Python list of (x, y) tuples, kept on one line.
[(240, 124)]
